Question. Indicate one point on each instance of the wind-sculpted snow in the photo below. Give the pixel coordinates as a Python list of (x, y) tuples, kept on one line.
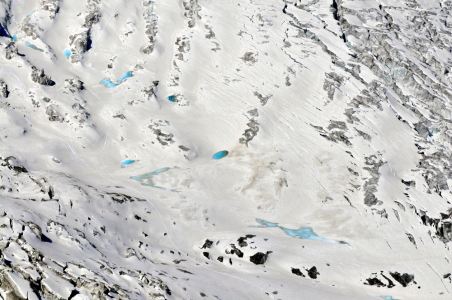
[(140, 141)]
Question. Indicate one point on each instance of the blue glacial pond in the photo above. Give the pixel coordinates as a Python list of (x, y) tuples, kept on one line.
[(301, 233), (146, 179), (14, 37), (172, 98), (127, 162), (388, 298), (125, 76), (108, 83), (67, 52), (33, 46), (220, 155)]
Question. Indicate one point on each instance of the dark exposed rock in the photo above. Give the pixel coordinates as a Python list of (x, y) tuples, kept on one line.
[(364, 135), (404, 279), (249, 58), (253, 127), (74, 85), (409, 183), (263, 99), (338, 136), (312, 272), (121, 198), (164, 138), (370, 187), (151, 28), (250, 132), (54, 116), (411, 238), (443, 226), (45, 239), (183, 44), (210, 34), (11, 163), (337, 125), (374, 281), (332, 82), (4, 89), (390, 283), (38, 76), (206, 255), (119, 116), (151, 90), (259, 258), (51, 5), (192, 9), (297, 272), (236, 251), (92, 18), (80, 43), (242, 240), (11, 50), (207, 244)]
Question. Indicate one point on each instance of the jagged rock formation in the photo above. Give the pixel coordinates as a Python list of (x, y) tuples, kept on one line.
[(38, 76), (4, 89), (80, 43), (151, 25)]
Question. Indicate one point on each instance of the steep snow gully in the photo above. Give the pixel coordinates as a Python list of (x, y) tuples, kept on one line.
[(191, 149)]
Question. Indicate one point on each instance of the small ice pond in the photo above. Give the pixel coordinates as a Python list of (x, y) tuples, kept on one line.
[(147, 179), (301, 233), (110, 84), (33, 46), (127, 162), (125, 76), (220, 154)]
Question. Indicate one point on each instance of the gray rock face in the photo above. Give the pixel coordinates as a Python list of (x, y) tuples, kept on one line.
[(29, 28), (54, 116), (92, 18), (151, 25), (263, 99), (4, 89), (50, 5), (389, 61), (259, 258), (11, 50), (80, 43), (313, 273), (30, 271), (370, 187), (38, 76), (253, 127), (74, 85), (192, 9)]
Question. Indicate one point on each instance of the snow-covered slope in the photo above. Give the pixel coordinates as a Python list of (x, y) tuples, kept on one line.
[(336, 119)]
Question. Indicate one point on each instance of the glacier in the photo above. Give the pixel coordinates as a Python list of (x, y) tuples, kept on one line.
[(331, 119)]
